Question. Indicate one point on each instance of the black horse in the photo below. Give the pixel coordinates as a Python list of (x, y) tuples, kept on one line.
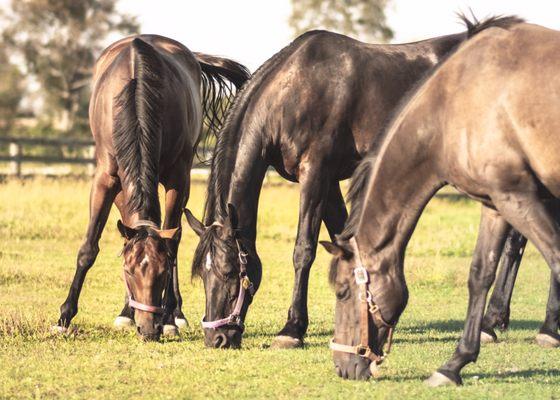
[(312, 112)]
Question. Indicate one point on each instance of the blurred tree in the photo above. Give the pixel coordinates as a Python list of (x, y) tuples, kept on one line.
[(58, 41), (362, 19), (11, 92)]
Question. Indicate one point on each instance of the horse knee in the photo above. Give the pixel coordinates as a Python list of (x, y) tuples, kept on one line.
[(86, 256), (303, 257)]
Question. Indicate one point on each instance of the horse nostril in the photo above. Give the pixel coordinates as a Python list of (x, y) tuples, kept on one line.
[(138, 330), (220, 341)]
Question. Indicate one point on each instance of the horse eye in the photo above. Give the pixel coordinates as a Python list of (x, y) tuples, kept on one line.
[(343, 293)]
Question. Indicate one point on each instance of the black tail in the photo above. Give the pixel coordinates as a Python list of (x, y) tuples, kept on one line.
[(137, 128), (219, 77)]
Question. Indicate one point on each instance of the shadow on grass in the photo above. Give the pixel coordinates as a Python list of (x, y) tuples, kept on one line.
[(470, 378), (456, 325)]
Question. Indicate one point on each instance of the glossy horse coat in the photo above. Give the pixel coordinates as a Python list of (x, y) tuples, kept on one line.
[(150, 95), (312, 112), (486, 122)]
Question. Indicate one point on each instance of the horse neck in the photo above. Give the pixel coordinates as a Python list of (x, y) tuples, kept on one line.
[(246, 183), (150, 211), (404, 178)]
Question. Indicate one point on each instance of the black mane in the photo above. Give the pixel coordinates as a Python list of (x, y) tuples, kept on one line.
[(137, 131), (227, 144), (362, 174)]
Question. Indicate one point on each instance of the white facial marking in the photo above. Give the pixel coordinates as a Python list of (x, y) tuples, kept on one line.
[(208, 264), (145, 261)]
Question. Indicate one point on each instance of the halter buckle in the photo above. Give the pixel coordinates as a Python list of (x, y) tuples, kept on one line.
[(361, 275), (246, 283), (234, 320), (362, 350), (243, 258)]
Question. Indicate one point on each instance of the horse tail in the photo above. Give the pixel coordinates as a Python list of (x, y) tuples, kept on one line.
[(138, 127), (219, 77)]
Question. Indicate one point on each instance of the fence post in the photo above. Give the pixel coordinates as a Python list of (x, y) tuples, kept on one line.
[(91, 165), (15, 154)]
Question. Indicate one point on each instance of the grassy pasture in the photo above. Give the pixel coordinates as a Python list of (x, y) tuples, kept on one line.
[(42, 223)]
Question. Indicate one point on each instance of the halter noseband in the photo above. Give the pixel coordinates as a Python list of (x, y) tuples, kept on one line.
[(131, 302), (245, 285), (367, 308)]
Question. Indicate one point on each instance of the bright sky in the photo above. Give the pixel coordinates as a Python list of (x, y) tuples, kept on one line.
[(252, 30)]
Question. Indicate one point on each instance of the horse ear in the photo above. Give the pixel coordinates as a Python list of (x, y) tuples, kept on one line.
[(171, 234), (195, 224), (332, 248), (232, 216), (126, 232)]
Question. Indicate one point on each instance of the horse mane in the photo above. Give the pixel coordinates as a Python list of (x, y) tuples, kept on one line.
[(226, 147), (362, 174), (137, 131)]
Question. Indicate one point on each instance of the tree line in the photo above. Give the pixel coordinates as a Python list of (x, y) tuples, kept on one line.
[(48, 48)]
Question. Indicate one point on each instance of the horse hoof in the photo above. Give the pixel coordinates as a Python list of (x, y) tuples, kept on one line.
[(487, 338), (547, 341), (123, 322), (375, 370), (438, 379), (59, 330), (286, 342), (170, 331), (181, 323)]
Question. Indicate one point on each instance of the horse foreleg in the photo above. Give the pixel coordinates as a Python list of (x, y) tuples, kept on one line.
[(498, 311), (335, 214), (103, 191), (126, 317), (314, 192), (491, 237), (177, 189)]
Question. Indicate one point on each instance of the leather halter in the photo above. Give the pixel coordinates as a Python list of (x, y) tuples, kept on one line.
[(367, 308), (131, 302), (244, 285)]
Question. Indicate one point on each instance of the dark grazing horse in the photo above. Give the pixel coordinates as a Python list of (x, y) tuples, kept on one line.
[(486, 121), (150, 96), (312, 112)]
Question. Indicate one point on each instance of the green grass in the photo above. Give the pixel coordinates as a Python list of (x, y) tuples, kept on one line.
[(42, 223)]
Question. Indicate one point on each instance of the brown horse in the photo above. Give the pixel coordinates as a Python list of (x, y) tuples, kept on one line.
[(150, 96), (486, 121), (312, 112)]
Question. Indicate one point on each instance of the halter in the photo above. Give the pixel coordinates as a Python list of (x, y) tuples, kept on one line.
[(131, 302), (244, 285), (367, 307)]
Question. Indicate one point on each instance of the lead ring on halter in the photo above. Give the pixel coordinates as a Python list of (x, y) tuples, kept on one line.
[(367, 308), (244, 285)]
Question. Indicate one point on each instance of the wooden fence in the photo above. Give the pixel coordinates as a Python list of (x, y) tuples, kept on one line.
[(16, 155), (17, 151)]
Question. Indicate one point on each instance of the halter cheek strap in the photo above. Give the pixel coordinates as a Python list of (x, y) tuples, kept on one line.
[(131, 302), (244, 285), (367, 308), (141, 306)]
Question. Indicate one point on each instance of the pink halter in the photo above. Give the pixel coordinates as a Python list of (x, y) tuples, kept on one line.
[(131, 302), (244, 284)]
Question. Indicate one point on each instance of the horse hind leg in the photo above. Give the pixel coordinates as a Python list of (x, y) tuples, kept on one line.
[(498, 311)]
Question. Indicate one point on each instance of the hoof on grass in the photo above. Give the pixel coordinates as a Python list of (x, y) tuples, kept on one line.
[(181, 323), (438, 379), (59, 330), (123, 322), (170, 331), (486, 337), (375, 370), (547, 341), (286, 342)]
